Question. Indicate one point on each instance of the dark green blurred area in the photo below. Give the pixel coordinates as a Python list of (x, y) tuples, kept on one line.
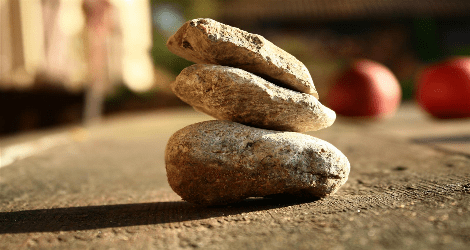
[(188, 9), (160, 54)]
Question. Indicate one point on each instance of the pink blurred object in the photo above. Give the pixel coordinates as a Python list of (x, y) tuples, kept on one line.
[(364, 89), (98, 27), (443, 89)]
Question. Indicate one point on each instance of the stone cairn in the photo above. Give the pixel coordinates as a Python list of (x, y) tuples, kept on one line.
[(262, 97)]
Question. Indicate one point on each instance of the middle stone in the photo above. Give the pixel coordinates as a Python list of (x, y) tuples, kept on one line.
[(233, 94)]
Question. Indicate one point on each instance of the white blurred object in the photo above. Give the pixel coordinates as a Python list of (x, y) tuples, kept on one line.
[(137, 67), (138, 72), (33, 47)]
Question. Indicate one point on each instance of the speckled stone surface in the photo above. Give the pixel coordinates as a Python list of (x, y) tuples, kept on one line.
[(220, 162), (207, 41), (233, 94)]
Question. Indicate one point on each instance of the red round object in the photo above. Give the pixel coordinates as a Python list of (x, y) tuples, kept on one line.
[(443, 89), (365, 89)]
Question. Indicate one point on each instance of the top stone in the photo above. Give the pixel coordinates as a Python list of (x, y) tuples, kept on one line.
[(207, 41)]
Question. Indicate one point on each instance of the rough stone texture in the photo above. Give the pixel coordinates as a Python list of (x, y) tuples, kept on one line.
[(207, 41), (219, 162), (233, 94)]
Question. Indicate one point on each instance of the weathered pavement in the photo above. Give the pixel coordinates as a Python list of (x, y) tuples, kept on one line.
[(105, 187)]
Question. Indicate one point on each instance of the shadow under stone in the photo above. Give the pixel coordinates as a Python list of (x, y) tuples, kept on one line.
[(123, 215)]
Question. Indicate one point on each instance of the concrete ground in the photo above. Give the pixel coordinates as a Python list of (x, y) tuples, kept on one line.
[(105, 187)]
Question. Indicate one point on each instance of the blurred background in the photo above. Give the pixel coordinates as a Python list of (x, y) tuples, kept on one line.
[(75, 61)]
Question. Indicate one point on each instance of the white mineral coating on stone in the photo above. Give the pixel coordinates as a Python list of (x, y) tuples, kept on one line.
[(207, 41), (233, 94), (219, 162)]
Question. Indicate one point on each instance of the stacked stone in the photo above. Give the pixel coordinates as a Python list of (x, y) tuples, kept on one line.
[(262, 97)]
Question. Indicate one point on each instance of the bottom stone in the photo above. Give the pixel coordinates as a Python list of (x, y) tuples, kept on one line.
[(220, 162)]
